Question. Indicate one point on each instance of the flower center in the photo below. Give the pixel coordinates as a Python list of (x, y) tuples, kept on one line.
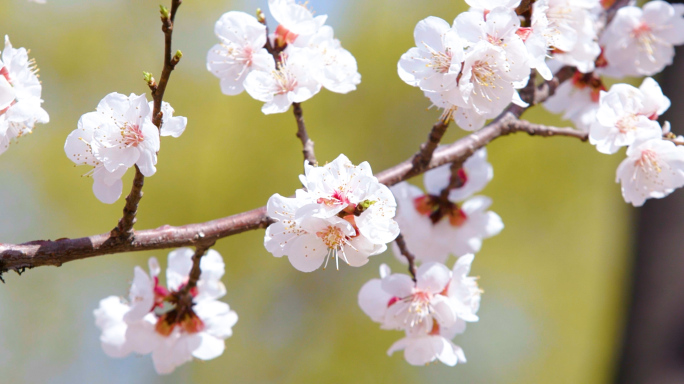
[(441, 61), (643, 33), (132, 135), (648, 162), (626, 123), (437, 208), (417, 308), (332, 237), (285, 81)]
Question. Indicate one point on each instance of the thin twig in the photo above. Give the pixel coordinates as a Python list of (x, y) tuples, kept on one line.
[(124, 229), (56, 252), (408, 255), (307, 143)]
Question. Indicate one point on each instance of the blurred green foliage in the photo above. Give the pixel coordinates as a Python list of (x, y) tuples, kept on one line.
[(554, 279)]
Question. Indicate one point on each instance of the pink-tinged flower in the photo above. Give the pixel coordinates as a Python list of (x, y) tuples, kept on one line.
[(117, 136), (625, 114), (431, 310), (640, 42), (344, 212), (241, 50), (295, 20), (652, 170), (160, 321), (20, 92), (291, 82)]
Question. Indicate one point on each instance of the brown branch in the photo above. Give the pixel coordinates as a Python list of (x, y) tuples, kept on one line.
[(408, 255), (55, 252), (422, 158), (124, 229), (307, 143)]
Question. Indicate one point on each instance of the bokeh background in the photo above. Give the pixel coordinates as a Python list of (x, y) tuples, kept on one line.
[(555, 280)]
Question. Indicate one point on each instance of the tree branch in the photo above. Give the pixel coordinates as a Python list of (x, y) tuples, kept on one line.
[(124, 229), (422, 158), (56, 252), (307, 143)]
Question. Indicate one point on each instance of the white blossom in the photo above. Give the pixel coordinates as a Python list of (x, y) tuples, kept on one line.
[(572, 32), (117, 136), (343, 212), (652, 170), (20, 92), (431, 310), (483, 6), (624, 114), (577, 99), (294, 19), (422, 349), (155, 321), (334, 67), (640, 42), (435, 62), (241, 50), (291, 82)]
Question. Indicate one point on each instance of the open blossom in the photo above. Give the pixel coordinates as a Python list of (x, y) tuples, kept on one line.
[(161, 321), (291, 82), (344, 212), (572, 32), (117, 136), (20, 92), (626, 113), (333, 66), (578, 99), (640, 42), (435, 62), (435, 225), (240, 51), (431, 310), (652, 170)]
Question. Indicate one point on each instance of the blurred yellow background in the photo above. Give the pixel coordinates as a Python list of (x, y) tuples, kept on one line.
[(554, 279)]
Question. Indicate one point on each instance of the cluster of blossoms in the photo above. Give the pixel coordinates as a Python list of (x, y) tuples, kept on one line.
[(20, 89), (117, 136), (343, 212), (288, 66), (627, 116), (473, 68), (637, 42), (172, 323), (431, 310), (447, 219)]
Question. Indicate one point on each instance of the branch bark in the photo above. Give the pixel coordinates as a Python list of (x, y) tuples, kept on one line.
[(56, 252), (307, 143), (408, 255)]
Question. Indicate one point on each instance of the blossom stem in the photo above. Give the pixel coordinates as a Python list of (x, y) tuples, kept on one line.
[(307, 143), (408, 255)]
